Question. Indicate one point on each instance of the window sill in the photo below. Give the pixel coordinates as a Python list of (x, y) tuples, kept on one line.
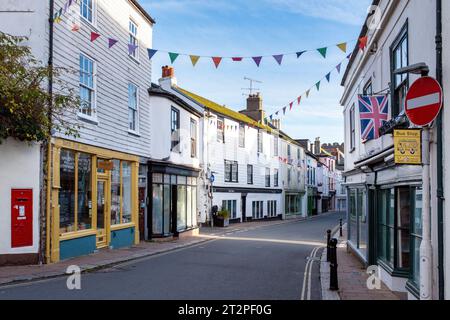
[(134, 133), (136, 60), (77, 234), (90, 119)]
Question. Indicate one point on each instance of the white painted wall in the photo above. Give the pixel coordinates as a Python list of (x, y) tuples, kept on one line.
[(19, 169), (446, 140)]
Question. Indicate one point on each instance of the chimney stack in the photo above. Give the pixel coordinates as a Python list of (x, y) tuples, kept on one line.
[(317, 146), (168, 79), (254, 107)]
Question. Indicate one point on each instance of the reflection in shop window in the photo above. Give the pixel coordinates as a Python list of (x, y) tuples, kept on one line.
[(181, 208), (84, 192), (67, 191), (126, 193), (115, 193)]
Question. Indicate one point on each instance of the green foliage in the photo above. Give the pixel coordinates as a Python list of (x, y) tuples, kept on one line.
[(223, 214), (27, 111)]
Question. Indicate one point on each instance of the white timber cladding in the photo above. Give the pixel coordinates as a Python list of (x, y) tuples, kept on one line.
[(114, 70), (161, 137), (446, 135)]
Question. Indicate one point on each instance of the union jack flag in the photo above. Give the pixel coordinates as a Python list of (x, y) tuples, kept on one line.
[(373, 112)]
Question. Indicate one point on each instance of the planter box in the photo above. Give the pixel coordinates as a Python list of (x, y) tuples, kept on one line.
[(221, 222)]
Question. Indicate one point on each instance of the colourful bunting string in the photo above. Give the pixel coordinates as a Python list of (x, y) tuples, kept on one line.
[(217, 61), (318, 86), (237, 59), (194, 60), (328, 76), (291, 105), (299, 99), (338, 67), (278, 58)]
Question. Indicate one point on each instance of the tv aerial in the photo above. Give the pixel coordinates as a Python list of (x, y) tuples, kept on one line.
[(251, 89)]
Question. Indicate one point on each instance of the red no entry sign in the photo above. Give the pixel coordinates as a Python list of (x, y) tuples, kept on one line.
[(423, 101)]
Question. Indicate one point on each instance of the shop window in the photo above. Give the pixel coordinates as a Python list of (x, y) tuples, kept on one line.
[(157, 218), (231, 207), (272, 208), (181, 208), (404, 210), (416, 235), (75, 194), (386, 227), (258, 209), (126, 195), (115, 193)]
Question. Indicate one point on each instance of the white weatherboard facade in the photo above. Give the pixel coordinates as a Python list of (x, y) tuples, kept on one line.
[(370, 73)]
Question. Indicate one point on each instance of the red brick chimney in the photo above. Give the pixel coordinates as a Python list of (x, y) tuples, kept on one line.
[(168, 79)]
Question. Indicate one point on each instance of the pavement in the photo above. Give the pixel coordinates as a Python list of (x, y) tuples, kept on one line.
[(352, 277), (259, 260)]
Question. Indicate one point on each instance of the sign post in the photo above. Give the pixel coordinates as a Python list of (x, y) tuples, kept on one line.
[(422, 105)]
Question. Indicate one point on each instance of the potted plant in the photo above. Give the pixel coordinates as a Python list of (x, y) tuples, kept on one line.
[(222, 219)]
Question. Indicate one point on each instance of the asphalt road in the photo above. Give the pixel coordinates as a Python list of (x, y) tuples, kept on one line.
[(263, 264)]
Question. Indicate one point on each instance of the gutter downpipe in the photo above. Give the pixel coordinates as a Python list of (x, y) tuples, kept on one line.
[(440, 182), (49, 152)]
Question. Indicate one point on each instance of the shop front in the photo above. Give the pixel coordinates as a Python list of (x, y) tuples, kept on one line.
[(94, 200), (293, 202), (173, 205)]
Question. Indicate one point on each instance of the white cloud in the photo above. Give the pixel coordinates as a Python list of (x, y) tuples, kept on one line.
[(343, 11)]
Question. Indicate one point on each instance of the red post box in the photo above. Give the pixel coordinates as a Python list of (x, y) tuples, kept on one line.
[(21, 218)]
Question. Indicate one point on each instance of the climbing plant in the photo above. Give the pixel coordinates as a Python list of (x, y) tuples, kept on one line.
[(28, 112)]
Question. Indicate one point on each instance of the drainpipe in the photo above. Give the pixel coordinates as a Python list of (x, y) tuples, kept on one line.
[(440, 181), (47, 153)]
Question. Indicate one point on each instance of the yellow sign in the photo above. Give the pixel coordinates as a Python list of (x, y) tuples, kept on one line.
[(408, 147)]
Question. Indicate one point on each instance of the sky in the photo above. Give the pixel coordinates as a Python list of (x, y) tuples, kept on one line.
[(258, 28)]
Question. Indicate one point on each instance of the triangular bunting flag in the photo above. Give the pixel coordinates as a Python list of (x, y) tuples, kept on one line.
[(151, 53), (318, 86), (257, 60), (111, 42), (363, 42), (194, 60), (343, 46), (94, 36), (276, 113), (299, 99), (338, 67), (75, 27), (307, 93), (217, 61), (278, 58), (271, 117), (173, 56), (323, 51), (291, 105), (58, 20), (237, 59), (328, 77), (300, 53), (132, 48), (349, 55), (284, 110)]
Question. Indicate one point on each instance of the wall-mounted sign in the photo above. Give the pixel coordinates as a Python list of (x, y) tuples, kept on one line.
[(408, 146), (105, 165)]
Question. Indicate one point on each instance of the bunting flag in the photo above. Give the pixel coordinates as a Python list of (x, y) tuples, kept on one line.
[(291, 105), (237, 59), (284, 110), (194, 60), (343, 46), (173, 56), (278, 58), (75, 27), (111, 42), (307, 93), (217, 61), (300, 53), (349, 55), (276, 113), (328, 76), (318, 86), (94, 36), (338, 67), (363, 42), (257, 60), (299, 99), (323, 51), (151, 53), (132, 48)]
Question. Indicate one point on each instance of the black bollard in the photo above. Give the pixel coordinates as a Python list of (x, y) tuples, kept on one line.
[(328, 244), (340, 228), (334, 286)]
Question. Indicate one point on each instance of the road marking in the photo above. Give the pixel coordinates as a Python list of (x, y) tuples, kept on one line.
[(306, 290)]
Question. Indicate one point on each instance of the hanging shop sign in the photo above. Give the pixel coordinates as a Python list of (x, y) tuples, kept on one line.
[(408, 146)]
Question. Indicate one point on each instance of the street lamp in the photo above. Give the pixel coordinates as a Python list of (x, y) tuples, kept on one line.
[(426, 249)]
